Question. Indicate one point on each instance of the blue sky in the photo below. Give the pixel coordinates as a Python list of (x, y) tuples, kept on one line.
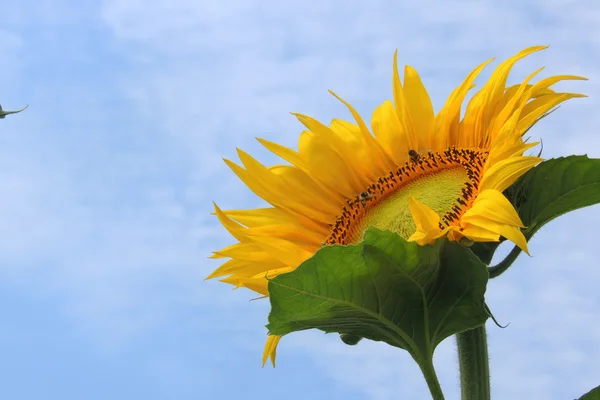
[(107, 183)]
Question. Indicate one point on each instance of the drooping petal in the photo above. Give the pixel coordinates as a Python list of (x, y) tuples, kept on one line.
[(492, 205), (493, 212), (270, 349), (426, 220), (512, 233), (479, 234)]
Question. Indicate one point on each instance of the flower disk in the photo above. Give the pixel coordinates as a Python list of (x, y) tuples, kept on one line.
[(421, 175)]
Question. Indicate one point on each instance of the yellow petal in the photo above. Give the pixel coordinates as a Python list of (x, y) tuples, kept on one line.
[(257, 283), (382, 159), (295, 159), (504, 173), (356, 153), (282, 250), (243, 251), (451, 112), (291, 156), (401, 108), (479, 234), (292, 233), (426, 220), (259, 216), (274, 216), (419, 106), (536, 108), (270, 349), (302, 188), (285, 179), (245, 269), (542, 86), (268, 186), (518, 101), (327, 165), (492, 205), (512, 233), (507, 143), (390, 133), (481, 107), (235, 229), (226, 267), (497, 82)]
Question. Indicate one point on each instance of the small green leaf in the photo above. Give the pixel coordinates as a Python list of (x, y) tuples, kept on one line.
[(593, 394), (4, 113), (383, 289), (554, 188), (551, 189), (350, 340)]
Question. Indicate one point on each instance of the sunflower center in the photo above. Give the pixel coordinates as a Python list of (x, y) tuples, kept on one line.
[(445, 181)]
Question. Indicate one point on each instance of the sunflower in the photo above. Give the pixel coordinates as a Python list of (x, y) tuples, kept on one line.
[(421, 175)]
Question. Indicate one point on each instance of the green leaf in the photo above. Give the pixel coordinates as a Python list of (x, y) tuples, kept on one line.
[(350, 340), (554, 188), (549, 190), (485, 250), (593, 394), (4, 113), (383, 289)]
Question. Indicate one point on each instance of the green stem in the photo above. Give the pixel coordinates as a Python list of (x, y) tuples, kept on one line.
[(497, 270), (474, 364), (432, 380)]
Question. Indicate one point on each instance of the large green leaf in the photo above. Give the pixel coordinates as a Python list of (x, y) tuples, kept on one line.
[(554, 188), (485, 250), (383, 289), (593, 394), (551, 189)]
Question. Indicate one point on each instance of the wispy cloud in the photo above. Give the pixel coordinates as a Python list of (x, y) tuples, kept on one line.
[(108, 177)]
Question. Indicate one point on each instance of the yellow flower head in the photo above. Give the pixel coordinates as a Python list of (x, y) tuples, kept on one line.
[(420, 175)]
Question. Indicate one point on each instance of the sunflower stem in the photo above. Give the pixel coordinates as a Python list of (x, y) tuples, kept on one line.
[(503, 265), (432, 380), (474, 364)]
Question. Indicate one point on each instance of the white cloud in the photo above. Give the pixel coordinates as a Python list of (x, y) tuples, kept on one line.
[(112, 217)]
